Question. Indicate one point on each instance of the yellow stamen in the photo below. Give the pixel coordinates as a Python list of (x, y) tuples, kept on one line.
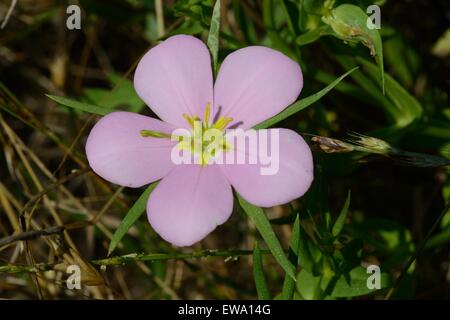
[(154, 134), (207, 114), (222, 123), (157, 134), (200, 143), (189, 120)]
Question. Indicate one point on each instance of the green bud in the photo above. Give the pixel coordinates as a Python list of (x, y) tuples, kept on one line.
[(349, 23)]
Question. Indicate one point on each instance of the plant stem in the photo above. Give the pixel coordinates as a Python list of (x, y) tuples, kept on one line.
[(134, 257)]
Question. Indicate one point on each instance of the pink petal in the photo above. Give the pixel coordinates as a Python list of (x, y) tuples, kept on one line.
[(189, 203), (117, 152), (292, 179), (256, 83), (175, 77)]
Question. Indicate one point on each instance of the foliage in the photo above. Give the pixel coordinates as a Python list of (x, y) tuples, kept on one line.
[(383, 87)]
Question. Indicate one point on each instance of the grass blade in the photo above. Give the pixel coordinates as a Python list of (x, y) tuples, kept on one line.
[(289, 284), (258, 217), (80, 105), (340, 221), (302, 104), (292, 15), (213, 37), (130, 218), (122, 95), (408, 108), (258, 275)]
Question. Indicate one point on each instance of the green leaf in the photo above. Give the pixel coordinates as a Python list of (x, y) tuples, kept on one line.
[(313, 35), (309, 254), (443, 237), (340, 221), (349, 22), (308, 285), (261, 222), (277, 42), (442, 47), (315, 7), (445, 223), (387, 238), (355, 282), (246, 25), (289, 284), (191, 27), (402, 60), (80, 105), (122, 94), (407, 107), (131, 217), (302, 104), (258, 275), (213, 37), (292, 15), (440, 239), (371, 92)]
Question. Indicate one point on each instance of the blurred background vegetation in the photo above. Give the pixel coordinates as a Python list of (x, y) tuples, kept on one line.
[(398, 200)]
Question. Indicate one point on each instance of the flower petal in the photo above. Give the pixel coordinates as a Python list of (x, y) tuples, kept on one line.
[(256, 83), (175, 77), (117, 152), (189, 203), (289, 178)]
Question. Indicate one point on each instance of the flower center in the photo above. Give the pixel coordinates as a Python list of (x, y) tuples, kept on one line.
[(205, 140)]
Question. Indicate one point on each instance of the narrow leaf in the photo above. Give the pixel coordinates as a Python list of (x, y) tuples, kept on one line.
[(340, 221), (292, 15), (130, 218), (277, 42), (408, 108), (309, 254), (121, 95), (370, 87), (302, 104), (80, 105), (258, 217), (258, 275), (289, 284), (213, 37), (440, 239)]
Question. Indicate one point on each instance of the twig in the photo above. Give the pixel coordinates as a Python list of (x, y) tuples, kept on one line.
[(120, 260), (52, 186), (107, 205), (160, 17), (116, 86), (8, 14), (34, 234), (132, 258), (30, 235)]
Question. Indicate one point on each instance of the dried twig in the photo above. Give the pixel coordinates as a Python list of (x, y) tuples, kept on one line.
[(8, 14), (132, 258), (30, 235), (39, 195)]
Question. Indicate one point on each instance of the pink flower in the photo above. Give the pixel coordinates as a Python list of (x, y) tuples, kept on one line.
[(175, 79)]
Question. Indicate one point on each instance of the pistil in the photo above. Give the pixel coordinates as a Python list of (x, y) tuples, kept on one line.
[(197, 144)]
